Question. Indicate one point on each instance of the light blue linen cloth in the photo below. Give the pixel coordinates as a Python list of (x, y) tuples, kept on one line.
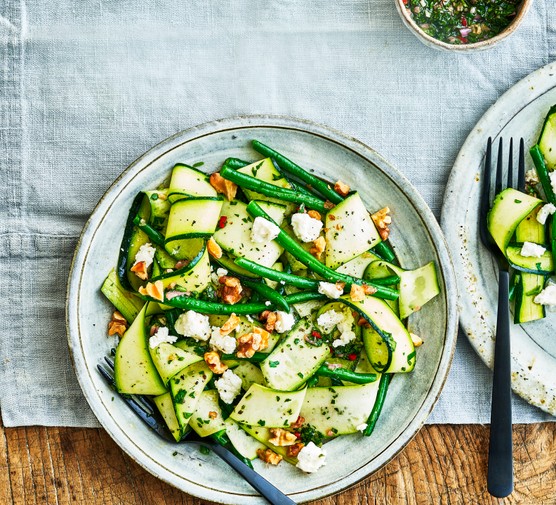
[(86, 87)]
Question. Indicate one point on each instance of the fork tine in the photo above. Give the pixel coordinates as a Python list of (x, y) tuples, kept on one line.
[(521, 167), (511, 164), (499, 169), (487, 176)]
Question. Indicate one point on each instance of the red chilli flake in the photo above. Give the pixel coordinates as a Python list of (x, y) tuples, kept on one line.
[(297, 434), (222, 221), (352, 356), (463, 39), (463, 22), (316, 334)]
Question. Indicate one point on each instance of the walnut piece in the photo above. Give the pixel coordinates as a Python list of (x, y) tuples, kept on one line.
[(230, 325), (318, 248), (298, 423), (154, 290), (140, 270), (117, 325), (230, 289), (269, 456), (363, 322), (369, 290), (213, 414), (224, 186), (341, 188), (212, 359), (357, 293), (180, 264), (314, 214), (214, 249), (281, 437), (381, 220), (328, 205), (269, 319), (250, 343), (293, 450)]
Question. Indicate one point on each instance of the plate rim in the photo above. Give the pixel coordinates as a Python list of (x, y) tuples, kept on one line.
[(289, 123), (514, 100)]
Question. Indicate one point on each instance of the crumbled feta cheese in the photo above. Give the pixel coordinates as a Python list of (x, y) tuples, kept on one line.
[(161, 335), (553, 180), (361, 427), (267, 303), (531, 177), (331, 290), (345, 328), (193, 324), (225, 343), (228, 386), (146, 254), (284, 321), (311, 458), (544, 212), (305, 227), (531, 250), (328, 320), (220, 272), (547, 296), (263, 230)]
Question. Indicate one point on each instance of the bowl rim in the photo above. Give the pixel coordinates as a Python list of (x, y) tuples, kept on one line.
[(428, 40), (412, 426)]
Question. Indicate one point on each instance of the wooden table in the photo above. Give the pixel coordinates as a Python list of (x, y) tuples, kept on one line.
[(442, 465)]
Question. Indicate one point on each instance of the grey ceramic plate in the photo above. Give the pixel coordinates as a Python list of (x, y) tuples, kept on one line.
[(518, 113), (417, 238)]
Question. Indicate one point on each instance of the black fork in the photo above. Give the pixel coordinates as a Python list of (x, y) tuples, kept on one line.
[(144, 409), (500, 453)]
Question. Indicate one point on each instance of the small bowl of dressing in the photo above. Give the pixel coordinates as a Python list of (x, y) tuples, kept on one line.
[(462, 25)]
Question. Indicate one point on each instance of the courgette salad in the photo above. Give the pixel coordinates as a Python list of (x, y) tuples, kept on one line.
[(263, 307), (523, 227)]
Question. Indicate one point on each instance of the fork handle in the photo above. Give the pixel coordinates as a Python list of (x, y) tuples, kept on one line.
[(500, 453), (267, 490)]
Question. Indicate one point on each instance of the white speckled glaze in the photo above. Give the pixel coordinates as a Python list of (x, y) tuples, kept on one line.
[(518, 113), (429, 41), (417, 239)]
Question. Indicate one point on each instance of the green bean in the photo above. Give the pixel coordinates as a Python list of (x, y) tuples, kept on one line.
[(268, 189), (542, 172), (312, 381), (513, 285), (379, 402), (389, 280), (294, 169), (346, 375), (153, 234), (290, 245), (384, 250), (275, 275), (270, 294), (185, 302)]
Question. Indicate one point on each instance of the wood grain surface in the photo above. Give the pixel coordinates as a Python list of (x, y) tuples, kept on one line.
[(443, 465)]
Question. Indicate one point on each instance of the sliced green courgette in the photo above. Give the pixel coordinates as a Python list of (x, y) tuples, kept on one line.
[(187, 182), (527, 288), (547, 139), (510, 207), (542, 265), (207, 418), (243, 443), (417, 287), (134, 371), (399, 346), (235, 236), (294, 360), (125, 302), (170, 359), (186, 388), (350, 231), (262, 406), (339, 409), (166, 408)]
